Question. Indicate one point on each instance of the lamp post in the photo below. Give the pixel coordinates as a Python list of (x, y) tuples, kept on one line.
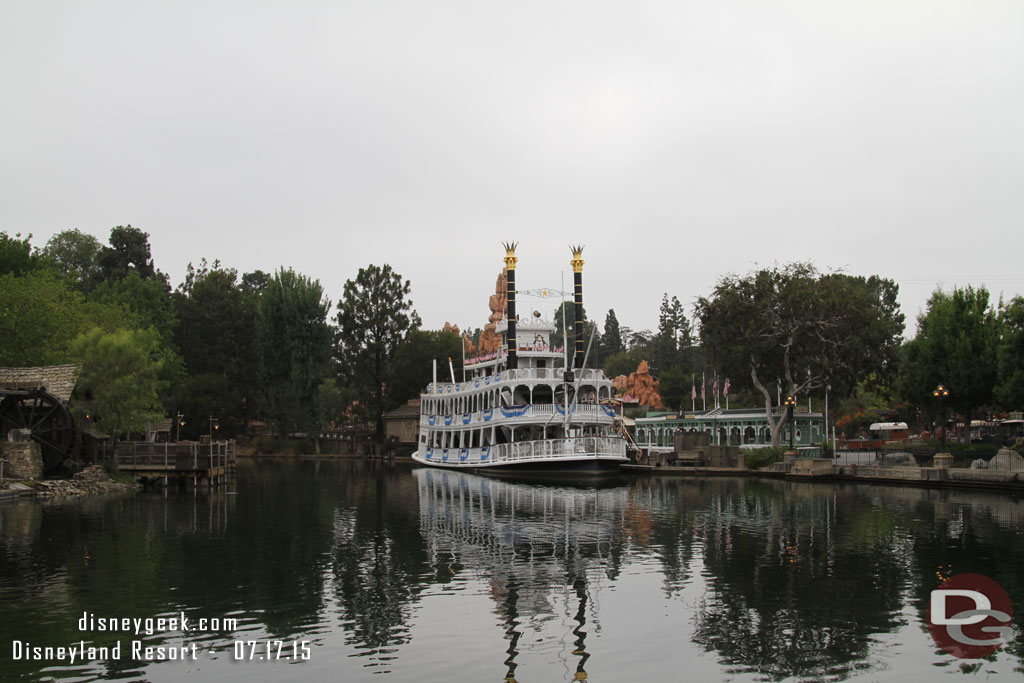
[(827, 387), (790, 405), (942, 393), (180, 422), (214, 425)]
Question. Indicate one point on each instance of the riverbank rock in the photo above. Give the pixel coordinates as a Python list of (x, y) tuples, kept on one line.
[(899, 460), (1006, 459), (90, 481)]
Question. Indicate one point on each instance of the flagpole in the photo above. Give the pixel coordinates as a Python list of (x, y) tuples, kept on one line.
[(703, 398), (693, 394)]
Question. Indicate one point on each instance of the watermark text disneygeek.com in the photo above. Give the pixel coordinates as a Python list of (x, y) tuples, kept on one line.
[(151, 649)]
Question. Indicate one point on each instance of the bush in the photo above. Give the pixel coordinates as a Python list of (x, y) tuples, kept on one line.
[(763, 457)]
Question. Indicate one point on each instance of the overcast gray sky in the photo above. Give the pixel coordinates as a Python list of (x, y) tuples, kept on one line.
[(678, 141)]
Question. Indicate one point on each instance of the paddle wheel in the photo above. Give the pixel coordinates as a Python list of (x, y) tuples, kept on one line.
[(46, 416)]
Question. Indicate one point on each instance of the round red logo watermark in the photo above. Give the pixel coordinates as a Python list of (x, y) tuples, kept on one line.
[(970, 616)]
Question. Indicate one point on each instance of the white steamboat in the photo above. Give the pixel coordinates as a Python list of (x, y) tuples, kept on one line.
[(529, 407)]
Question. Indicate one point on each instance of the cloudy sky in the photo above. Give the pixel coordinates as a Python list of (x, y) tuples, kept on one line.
[(679, 141)]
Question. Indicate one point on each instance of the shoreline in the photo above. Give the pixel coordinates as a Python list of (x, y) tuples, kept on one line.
[(1009, 481)]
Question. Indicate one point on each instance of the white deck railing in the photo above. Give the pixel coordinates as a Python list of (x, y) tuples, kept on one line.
[(572, 448), (518, 375), (589, 413)]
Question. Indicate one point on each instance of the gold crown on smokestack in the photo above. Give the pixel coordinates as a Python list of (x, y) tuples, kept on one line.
[(577, 258), (510, 254)]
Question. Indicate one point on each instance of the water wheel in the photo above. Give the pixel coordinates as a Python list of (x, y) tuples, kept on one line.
[(46, 416)]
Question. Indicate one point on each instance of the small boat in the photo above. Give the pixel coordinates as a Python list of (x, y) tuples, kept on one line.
[(529, 407)]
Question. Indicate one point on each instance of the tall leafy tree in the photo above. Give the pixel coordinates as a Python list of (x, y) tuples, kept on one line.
[(1010, 356), (128, 252), (119, 384), (413, 362), (295, 349), (40, 315), (957, 345), (76, 256), (557, 338), (17, 257), (673, 338), (374, 317), (216, 318), (802, 328), (611, 340)]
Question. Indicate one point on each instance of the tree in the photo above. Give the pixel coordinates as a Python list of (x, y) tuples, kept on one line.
[(295, 349), (557, 338), (144, 302), (623, 362), (957, 344), (17, 256), (803, 328), (611, 340), (39, 317), (76, 256), (120, 379), (672, 341), (1010, 389), (374, 316), (413, 362), (216, 317), (128, 252)]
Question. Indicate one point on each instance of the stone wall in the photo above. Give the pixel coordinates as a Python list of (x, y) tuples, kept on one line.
[(24, 460)]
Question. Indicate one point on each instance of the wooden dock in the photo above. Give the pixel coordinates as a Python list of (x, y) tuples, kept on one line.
[(210, 464)]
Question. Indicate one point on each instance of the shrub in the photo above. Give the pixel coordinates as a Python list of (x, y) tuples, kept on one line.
[(763, 457)]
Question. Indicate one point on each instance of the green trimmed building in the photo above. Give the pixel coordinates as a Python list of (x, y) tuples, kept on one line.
[(745, 427)]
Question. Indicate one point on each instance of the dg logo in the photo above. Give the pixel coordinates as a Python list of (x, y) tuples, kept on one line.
[(970, 616)]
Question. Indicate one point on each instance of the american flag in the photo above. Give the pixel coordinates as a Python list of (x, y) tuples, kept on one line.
[(725, 389), (702, 389), (693, 393), (714, 387)]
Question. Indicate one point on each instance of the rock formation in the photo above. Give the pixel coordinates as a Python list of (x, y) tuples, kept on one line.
[(641, 386), (490, 341)]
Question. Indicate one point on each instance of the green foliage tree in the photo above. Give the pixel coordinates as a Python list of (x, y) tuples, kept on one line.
[(216, 319), (1010, 356), (144, 302), (611, 340), (413, 362), (374, 316), (624, 362), (329, 403), (957, 345), (801, 327), (589, 332), (17, 257), (128, 253), (120, 379), (672, 342), (40, 315), (295, 349), (75, 255)]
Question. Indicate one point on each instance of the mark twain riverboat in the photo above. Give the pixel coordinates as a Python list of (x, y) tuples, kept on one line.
[(527, 407)]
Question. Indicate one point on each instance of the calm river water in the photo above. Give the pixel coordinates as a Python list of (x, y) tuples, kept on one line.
[(354, 571)]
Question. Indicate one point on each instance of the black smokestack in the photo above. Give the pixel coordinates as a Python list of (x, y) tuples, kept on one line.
[(577, 278), (512, 362)]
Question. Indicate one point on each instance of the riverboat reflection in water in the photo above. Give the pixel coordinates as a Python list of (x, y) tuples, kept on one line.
[(528, 542)]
